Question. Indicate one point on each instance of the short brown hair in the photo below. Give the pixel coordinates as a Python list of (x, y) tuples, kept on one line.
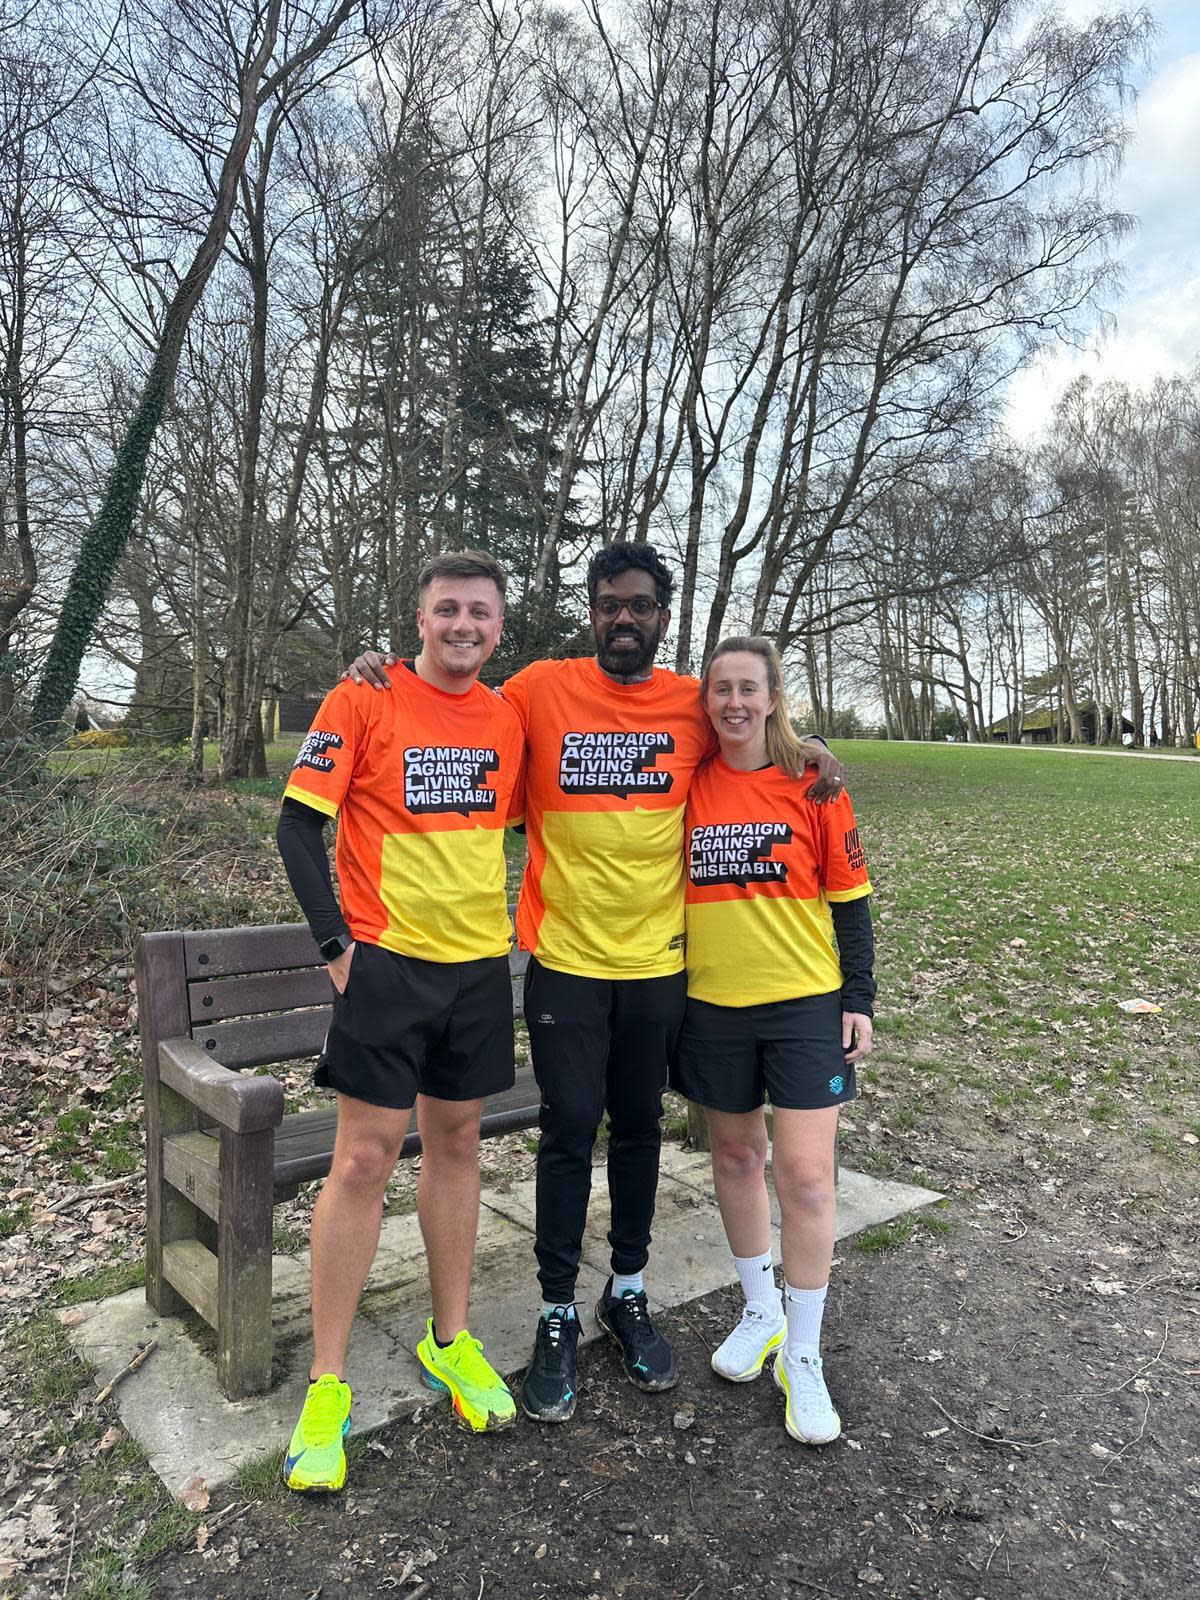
[(462, 564)]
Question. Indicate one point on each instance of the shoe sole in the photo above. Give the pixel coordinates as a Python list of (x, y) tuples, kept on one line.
[(751, 1372), (793, 1430), (466, 1417), (317, 1488), (564, 1413), (655, 1385)]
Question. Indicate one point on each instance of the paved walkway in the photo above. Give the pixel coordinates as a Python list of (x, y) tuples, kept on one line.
[(172, 1406), (1068, 750)]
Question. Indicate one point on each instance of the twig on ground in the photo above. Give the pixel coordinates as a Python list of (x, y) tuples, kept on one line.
[(145, 1351), (1015, 1238), (695, 1591), (808, 1584), (231, 1512), (1128, 1445), (991, 1438), (92, 1193), (479, 1596), (996, 1543), (71, 1551), (1153, 1361)]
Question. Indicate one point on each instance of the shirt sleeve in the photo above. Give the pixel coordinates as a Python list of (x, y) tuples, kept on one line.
[(325, 763), (516, 801), (516, 694), (844, 864)]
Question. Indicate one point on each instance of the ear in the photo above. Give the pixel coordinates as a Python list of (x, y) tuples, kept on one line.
[(665, 622)]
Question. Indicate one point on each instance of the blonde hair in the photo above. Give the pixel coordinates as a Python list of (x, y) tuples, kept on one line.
[(784, 747)]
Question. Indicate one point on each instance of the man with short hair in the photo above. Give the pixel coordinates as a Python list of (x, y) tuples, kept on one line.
[(611, 745), (422, 782)]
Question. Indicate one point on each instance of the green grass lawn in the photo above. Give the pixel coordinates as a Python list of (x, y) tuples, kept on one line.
[(1019, 895)]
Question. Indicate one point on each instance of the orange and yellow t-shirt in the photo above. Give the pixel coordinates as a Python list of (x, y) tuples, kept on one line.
[(422, 783), (606, 777), (763, 863)]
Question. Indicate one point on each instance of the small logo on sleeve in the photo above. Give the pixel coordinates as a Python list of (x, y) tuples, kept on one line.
[(856, 858), (614, 763), (737, 852), (443, 777), (312, 751)]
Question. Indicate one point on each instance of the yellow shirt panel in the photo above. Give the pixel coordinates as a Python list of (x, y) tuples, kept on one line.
[(612, 883), (434, 887), (749, 952)]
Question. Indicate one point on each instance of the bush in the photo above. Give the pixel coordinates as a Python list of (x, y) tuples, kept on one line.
[(98, 858), (99, 739)]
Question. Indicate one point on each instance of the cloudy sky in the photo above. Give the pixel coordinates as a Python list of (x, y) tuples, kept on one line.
[(1158, 313)]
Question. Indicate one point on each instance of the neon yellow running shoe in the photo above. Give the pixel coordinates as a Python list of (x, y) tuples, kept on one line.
[(478, 1394), (316, 1457)]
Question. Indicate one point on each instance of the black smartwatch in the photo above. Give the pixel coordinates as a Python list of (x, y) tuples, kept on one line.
[(331, 949)]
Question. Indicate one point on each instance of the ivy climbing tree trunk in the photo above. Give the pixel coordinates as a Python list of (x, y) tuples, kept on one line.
[(104, 541)]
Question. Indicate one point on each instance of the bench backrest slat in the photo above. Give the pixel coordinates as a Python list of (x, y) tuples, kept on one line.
[(260, 1041), (229, 952), (213, 1001)]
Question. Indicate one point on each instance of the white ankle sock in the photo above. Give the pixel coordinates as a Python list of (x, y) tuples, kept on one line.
[(758, 1284), (627, 1280), (549, 1307), (804, 1308)]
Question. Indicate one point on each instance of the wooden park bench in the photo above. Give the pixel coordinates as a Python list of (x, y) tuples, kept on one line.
[(220, 1153)]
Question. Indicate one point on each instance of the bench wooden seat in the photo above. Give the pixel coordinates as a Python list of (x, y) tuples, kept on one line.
[(220, 1153)]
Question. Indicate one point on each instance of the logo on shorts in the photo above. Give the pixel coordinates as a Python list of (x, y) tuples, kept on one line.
[(737, 852), (856, 858), (547, 1019), (837, 1084), (448, 777), (312, 751), (614, 763)]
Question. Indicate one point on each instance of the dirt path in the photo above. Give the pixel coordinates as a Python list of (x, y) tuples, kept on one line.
[(1021, 1420)]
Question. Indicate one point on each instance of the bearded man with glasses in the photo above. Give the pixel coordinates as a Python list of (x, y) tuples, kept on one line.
[(612, 742)]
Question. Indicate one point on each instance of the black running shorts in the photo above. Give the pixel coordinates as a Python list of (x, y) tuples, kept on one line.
[(404, 1027), (732, 1058)]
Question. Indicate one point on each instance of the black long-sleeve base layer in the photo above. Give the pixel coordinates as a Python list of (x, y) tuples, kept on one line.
[(856, 953), (300, 836)]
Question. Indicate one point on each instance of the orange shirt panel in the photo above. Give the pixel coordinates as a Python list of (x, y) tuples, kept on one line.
[(607, 771), (422, 783), (763, 863)]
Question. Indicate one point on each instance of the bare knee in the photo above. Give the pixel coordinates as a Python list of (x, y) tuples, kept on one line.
[(739, 1159), (362, 1168), (804, 1190), (452, 1141)]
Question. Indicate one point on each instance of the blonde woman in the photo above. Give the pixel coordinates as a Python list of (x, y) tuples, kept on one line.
[(775, 1012)]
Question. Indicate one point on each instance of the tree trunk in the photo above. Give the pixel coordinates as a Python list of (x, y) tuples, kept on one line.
[(104, 541)]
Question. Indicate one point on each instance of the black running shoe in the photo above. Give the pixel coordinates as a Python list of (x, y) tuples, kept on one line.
[(548, 1393), (648, 1359)]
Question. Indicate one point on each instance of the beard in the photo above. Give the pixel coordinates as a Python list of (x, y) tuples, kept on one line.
[(629, 663)]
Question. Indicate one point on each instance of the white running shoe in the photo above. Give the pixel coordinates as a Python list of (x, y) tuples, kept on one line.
[(810, 1415), (741, 1356)]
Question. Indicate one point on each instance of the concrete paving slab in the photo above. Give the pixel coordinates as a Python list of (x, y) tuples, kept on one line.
[(173, 1407)]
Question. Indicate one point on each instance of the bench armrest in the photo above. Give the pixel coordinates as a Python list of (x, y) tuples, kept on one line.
[(244, 1105)]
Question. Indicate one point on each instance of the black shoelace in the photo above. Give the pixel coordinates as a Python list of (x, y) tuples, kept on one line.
[(553, 1335), (641, 1329)]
